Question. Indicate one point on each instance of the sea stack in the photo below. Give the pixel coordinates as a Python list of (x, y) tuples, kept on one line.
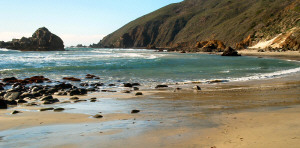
[(41, 40)]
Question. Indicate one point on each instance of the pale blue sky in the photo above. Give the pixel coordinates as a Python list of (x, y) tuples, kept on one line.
[(76, 21)]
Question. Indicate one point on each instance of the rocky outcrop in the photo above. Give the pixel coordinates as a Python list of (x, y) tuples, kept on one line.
[(41, 40), (235, 21), (230, 52)]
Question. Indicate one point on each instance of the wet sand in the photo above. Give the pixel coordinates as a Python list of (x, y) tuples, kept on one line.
[(257, 113)]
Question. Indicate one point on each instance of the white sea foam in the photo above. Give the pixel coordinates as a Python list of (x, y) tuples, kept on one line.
[(267, 75)]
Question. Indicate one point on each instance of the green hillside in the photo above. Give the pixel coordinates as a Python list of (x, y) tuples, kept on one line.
[(197, 20)]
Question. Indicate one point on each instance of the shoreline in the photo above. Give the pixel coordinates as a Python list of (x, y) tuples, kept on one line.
[(244, 112)]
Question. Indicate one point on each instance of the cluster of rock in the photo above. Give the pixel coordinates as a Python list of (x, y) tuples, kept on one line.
[(41, 40), (31, 92)]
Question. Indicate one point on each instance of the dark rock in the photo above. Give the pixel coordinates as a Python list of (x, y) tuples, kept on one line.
[(136, 88), (84, 84), (21, 101), (91, 89), (139, 94), (74, 98), (10, 80), (35, 79), (71, 79), (11, 102), (161, 86), (26, 95), (15, 112), (3, 104), (126, 91), (97, 84), (79, 101), (127, 85), (61, 93), (80, 91), (111, 84), (46, 109), (58, 109), (46, 98), (197, 87), (90, 76), (230, 52), (135, 111), (41, 40), (63, 86), (136, 84), (98, 116)]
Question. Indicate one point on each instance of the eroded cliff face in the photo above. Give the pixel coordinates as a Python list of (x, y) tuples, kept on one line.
[(41, 40), (230, 21)]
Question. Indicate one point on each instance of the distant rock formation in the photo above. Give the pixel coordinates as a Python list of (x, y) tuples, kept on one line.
[(41, 40), (230, 52)]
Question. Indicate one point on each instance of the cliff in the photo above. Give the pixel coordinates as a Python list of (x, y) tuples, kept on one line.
[(192, 21), (41, 40)]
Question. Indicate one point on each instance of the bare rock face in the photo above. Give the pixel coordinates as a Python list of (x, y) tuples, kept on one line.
[(41, 40)]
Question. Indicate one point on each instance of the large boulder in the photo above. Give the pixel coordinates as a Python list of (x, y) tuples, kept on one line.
[(41, 40), (12, 95), (230, 52)]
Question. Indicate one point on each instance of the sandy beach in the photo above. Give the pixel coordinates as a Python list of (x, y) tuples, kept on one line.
[(256, 113)]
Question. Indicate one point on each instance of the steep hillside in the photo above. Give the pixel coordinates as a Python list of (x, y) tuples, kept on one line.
[(230, 21)]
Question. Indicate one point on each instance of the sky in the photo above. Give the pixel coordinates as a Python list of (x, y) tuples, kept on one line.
[(75, 21)]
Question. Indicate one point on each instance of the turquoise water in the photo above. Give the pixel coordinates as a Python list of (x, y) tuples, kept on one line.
[(136, 65)]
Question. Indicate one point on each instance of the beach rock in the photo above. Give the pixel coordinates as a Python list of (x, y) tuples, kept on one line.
[(230, 52), (58, 109), (91, 89), (71, 79), (12, 95), (21, 101), (66, 102), (84, 84), (136, 88), (126, 91), (90, 76), (97, 84), (136, 84), (79, 101), (11, 102), (61, 93), (74, 98), (161, 86), (15, 112), (3, 104), (135, 111), (197, 87), (46, 109), (111, 84), (98, 116), (2, 93), (26, 95), (1, 88), (63, 86), (35, 79), (79, 91), (127, 85), (139, 94), (10, 80), (46, 98)]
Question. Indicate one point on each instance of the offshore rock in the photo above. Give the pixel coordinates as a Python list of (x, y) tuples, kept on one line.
[(41, 40)]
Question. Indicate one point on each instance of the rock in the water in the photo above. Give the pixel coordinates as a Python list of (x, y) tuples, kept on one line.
[(15, 112), (98, 116), (71, 79), (10, 80), (127, 85), (136, 88), (139, 94), (46, 109), (3, 104), (135, 111), (161, 86), (41, 40), (46, 98), (74, 98), (58, 109), (21, 101), (197, 87), (126, 91), (230, 52)]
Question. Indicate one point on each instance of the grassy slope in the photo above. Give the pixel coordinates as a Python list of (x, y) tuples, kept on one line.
[(227, 20)]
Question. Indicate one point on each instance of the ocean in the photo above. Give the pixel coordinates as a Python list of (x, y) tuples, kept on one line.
[(147, 67)]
